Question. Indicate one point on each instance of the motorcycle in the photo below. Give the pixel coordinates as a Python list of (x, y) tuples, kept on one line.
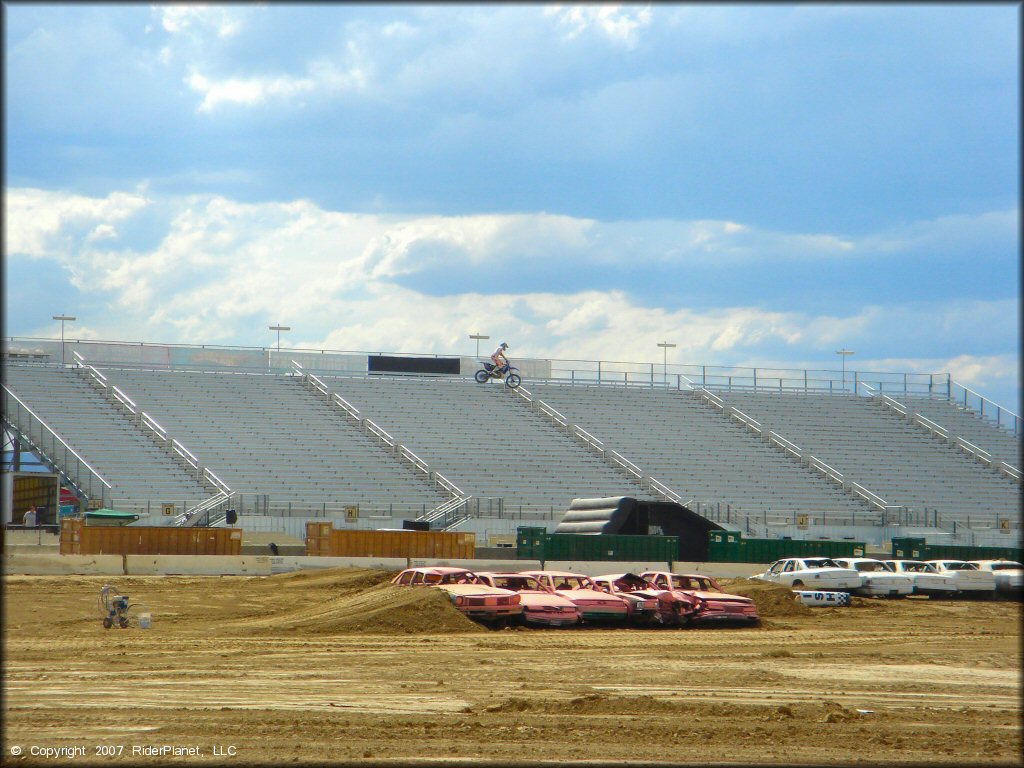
[(507, 372)]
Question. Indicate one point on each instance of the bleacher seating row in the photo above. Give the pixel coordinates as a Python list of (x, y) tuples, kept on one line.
[(270, 436)]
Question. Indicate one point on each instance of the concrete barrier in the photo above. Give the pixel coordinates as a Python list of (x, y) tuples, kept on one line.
[(196, 565), (52, 564), (35, 560)]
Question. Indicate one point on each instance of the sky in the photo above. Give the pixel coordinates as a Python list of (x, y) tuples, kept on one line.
[(761, 185)]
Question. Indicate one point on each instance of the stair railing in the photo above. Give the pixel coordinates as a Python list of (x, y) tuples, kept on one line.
[(50, 447), (942, 433), (596, 445), (382, 435), (175, 448), (792, 450)]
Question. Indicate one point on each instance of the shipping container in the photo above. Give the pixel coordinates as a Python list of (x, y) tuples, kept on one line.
[(908, 548), (731, 547), (537, 544), (79, 539), (325, 541)]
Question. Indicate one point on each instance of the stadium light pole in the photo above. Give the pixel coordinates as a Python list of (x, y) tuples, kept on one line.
[(665, 347), (62, 319), (478, 336), (279, 328), (843, 353)]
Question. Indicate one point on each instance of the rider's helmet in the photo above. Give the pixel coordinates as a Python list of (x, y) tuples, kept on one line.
[(504, 345)]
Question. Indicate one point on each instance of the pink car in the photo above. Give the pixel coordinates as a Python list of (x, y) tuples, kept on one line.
[(712, 603), (541, 607), (594, 605), (650, 604), (467, 591)]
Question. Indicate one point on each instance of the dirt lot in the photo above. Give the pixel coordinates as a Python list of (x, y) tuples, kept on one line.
[(337, 667)]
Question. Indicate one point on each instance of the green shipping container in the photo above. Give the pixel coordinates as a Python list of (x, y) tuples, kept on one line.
[(769, 550), (530, 542), (535, 544), (918, 549)]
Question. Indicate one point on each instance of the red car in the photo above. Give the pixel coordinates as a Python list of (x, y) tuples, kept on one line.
[(712, 603), (650, 604), (468, 592), (541, 606), (594, 605)]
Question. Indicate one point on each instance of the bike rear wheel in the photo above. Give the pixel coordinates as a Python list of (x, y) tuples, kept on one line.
[(481, 376)]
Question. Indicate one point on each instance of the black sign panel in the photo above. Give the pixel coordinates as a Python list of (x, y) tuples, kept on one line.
[(394, 364)]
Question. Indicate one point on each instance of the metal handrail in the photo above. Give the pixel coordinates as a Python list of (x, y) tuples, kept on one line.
[(416, 461), (787, 446), (588, 438), (626, 464), (21, 403)]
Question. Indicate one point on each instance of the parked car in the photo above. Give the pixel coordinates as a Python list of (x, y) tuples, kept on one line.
[(1009, 576), (650, 604), (877, 580), (811, 573), (925, 577), (541, 606), (467, 591), (713, 605), (969, 579), (594, 605)]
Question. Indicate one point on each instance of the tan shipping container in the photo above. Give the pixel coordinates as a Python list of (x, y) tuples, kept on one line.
[(79, 539), (324, 540)]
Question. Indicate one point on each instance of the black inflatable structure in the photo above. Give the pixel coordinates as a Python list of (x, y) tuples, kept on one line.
[(628, 516)]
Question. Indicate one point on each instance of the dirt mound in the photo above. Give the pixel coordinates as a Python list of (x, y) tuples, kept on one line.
[(771, 600), (340, 579), (381, 609)]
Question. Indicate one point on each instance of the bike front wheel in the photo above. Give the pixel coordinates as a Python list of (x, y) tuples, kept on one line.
[(513, 380)]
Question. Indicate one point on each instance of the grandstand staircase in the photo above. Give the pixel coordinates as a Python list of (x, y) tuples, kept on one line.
[(792, 451), (633, 474), (919, 420), (210, 511), (446, 516)]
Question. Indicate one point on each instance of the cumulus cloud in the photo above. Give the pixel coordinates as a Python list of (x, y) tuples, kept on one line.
[(176, 19), (620, 24), (220, 270), (323, 77)]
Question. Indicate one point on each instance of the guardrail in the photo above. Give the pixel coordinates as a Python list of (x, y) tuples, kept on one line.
[(52, 449)]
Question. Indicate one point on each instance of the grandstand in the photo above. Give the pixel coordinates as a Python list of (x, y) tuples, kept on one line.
[(796, 454)]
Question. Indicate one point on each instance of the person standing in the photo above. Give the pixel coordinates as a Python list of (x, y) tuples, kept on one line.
[(29, 518)]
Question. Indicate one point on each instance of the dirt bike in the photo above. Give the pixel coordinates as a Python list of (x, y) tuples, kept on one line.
[(507, 372)]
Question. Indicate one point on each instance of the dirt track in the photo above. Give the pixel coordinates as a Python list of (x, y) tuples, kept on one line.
[(336, 667)]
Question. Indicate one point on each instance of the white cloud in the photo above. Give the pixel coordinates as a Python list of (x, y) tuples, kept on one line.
[(352, 281), (324, 77), (45, 224), (181, 18), (618, 23)]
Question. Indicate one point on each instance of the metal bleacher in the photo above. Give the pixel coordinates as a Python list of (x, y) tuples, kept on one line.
[(698, 454), (137, 470), (484, 442), (270, 440), (291, 445), (905, 465)]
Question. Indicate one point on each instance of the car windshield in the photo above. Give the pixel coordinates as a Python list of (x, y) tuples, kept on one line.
[(573, 582), (869, 565), (918, 568), (1007, 566), (961, 567), (516, 583), (452, 578), (821, 562)]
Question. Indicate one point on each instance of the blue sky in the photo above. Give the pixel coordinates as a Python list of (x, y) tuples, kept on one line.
[(760, 184)]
